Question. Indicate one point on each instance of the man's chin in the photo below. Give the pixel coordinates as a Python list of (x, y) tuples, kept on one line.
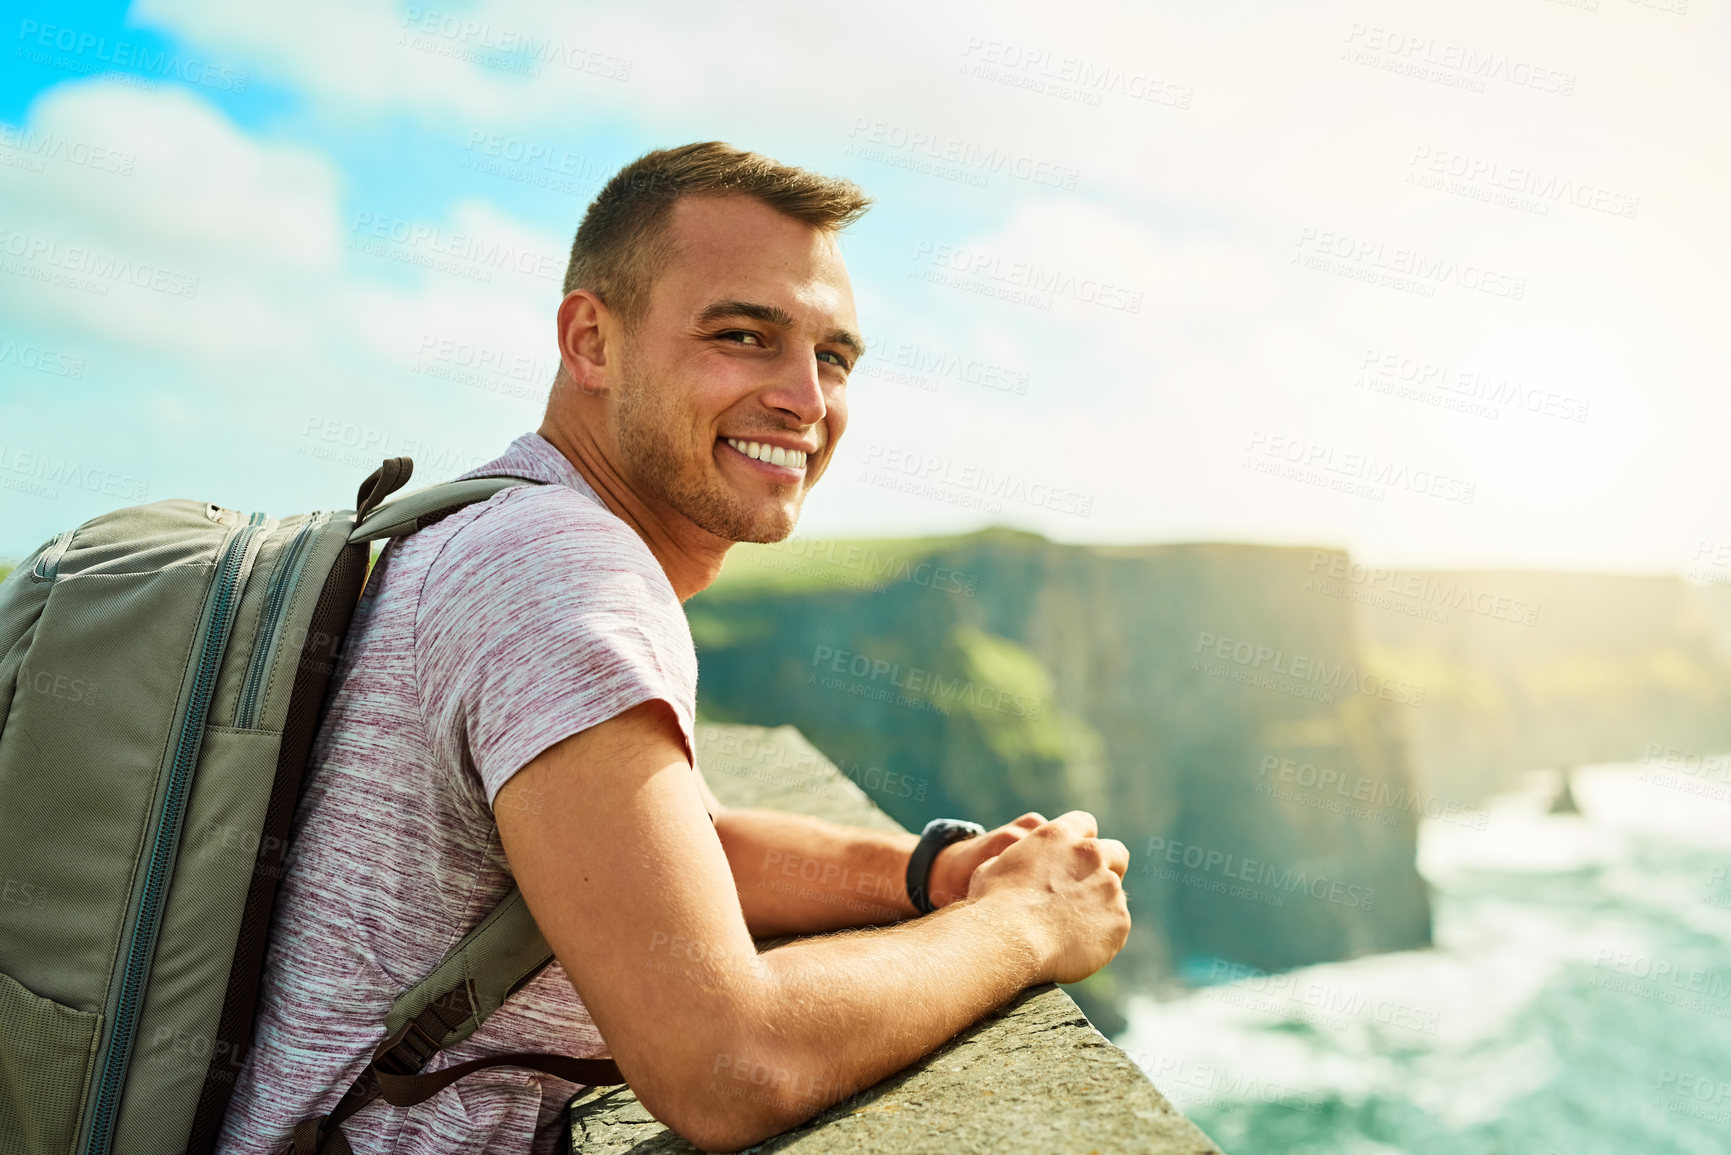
[(769, 527), (735, 520)]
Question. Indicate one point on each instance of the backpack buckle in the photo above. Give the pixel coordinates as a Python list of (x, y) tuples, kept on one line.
[(407, 1051)]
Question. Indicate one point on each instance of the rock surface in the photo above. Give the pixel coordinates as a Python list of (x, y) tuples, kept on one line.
[(1032, 1076)]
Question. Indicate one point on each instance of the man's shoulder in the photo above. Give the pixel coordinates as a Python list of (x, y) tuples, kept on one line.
[(549, 538), (554, 517)]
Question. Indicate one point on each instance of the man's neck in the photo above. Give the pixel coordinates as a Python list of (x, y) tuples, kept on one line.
[(690, 556)]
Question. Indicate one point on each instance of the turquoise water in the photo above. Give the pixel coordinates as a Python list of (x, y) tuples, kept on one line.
[(1578, 998)]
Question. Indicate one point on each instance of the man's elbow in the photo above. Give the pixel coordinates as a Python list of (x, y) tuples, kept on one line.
[(734, 1102)]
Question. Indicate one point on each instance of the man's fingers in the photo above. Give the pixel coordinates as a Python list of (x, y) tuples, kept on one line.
[(1116, 854), (1079, 821), (1030, 820)]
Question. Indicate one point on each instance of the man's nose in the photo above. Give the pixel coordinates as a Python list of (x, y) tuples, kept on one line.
[(799, 391)]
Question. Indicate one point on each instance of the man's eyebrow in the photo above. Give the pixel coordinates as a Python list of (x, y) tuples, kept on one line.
[(768, 314), (775, 315), (852, 340)]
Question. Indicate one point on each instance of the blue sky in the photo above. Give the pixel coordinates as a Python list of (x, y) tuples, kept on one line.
[(1442, 287)]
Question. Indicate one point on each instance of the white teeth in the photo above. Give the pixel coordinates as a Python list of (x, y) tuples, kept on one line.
[(773, 454)]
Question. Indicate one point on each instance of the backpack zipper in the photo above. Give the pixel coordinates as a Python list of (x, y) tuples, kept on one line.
[(218, 618), (276, 605)]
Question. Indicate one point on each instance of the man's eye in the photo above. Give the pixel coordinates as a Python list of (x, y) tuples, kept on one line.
[(740, 336), (835, 358)]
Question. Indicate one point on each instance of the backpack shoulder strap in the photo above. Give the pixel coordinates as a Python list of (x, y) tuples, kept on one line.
[(417, 510), (475, 977), (472, 981)]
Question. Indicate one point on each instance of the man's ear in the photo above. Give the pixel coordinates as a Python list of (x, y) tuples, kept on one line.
[(583, 326)]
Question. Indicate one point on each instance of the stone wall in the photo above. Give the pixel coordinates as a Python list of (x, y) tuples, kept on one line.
[(1032, 1076)]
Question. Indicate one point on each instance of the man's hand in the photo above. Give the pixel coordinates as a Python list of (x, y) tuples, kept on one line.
[(955, 863), (1068, 882)]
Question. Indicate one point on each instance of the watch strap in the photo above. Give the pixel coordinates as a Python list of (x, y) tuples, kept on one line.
[(938, 833)]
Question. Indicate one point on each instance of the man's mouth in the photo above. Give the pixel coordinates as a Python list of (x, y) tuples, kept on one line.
[(769, 454)]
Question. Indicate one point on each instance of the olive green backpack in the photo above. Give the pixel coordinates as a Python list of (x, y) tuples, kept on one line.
[(162, 671)]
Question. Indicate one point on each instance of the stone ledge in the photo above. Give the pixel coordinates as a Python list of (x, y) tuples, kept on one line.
[(1032, 1076)]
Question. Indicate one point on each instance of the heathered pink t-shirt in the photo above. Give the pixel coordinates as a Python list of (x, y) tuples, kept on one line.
[(480, 642)]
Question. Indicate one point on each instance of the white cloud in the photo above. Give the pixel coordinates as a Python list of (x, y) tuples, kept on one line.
[(1198, 208), (190, 185)]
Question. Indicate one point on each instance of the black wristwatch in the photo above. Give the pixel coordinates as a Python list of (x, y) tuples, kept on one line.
[(939, 833)]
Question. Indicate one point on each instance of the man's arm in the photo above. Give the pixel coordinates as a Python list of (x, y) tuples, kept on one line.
[(796, 874), (630, 884)]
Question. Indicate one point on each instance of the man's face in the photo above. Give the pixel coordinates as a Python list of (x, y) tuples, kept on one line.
[(737, 367)]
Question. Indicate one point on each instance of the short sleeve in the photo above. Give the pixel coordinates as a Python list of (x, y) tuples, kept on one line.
[(541, 617)]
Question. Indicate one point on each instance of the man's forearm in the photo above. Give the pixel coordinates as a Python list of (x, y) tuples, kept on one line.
[(844, 1011), (801, 875)]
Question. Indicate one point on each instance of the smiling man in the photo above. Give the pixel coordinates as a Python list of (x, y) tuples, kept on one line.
[(517, 700)]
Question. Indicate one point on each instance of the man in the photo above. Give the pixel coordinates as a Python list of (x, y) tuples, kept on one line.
[(517, 702)]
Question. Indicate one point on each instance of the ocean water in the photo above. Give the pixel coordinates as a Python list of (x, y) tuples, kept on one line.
[(1577, 1000)]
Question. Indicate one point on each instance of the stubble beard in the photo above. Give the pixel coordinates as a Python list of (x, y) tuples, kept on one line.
[(647, 428)]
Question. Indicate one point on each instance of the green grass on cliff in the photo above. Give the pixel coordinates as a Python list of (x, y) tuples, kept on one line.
[(802, 565)]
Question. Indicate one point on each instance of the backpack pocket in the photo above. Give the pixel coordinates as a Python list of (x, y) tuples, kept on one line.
[(45, 1055)]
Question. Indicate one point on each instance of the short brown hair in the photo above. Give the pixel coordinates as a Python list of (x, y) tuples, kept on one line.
[(622, 244)]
